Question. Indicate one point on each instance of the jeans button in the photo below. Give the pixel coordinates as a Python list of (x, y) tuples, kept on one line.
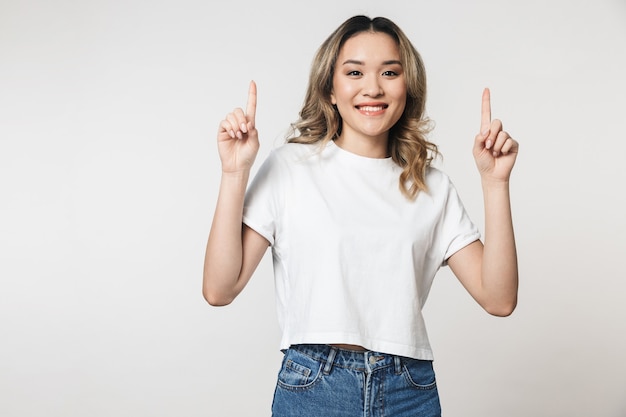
[(372, 360)]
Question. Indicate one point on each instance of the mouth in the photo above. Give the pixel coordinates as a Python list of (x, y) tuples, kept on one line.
[(371, 109)]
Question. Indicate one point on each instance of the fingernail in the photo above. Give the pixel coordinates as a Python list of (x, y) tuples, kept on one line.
[(231, 134), (239, 135), (488, 144), (495, 153), (244, 128)]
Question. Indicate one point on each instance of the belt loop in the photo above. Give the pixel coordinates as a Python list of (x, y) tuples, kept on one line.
[(329, 360), (398, 364)]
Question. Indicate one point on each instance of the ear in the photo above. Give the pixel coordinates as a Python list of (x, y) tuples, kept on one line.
[(333, 100)]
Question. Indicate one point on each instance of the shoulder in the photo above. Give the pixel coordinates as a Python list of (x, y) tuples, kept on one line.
[(292, 154), (439, 185), (282, 159), (293, 151), (436, 179)]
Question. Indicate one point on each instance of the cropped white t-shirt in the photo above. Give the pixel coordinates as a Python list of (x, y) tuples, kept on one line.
[(354, 259)]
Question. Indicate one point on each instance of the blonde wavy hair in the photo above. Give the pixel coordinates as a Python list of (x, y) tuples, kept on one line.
[(320, 121)]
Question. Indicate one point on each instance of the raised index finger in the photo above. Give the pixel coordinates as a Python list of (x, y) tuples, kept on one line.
[(251, 107), (485, 120)]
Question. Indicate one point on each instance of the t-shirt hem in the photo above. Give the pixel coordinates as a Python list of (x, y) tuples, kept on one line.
[(374, 345)]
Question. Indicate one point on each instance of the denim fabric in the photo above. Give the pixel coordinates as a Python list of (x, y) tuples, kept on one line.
[(324, 381)]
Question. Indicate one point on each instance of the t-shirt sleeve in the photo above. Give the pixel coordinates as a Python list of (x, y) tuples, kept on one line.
[(457, 229), (261, 208)]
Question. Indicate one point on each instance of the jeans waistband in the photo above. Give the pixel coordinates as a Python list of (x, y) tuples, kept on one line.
[(365, 361)]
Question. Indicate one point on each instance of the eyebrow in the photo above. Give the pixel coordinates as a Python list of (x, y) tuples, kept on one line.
[(355, 62)]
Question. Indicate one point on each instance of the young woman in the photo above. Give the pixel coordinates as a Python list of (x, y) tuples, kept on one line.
[(359, 223)]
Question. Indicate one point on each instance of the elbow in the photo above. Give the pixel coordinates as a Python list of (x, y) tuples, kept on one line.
[(215, 298), (215, 294), (501, 309)]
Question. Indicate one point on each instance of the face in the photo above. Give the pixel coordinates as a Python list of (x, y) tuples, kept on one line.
[(369, 88)]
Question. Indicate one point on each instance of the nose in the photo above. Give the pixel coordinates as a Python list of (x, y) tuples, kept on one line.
[(372, 87)]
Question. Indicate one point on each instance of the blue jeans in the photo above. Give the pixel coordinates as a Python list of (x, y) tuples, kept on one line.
[(324, 381)]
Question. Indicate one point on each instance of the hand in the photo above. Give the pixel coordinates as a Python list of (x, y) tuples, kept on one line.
[(495, 150), (237, 137)]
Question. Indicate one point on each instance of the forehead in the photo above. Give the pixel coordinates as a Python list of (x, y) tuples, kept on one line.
[(369, 46)]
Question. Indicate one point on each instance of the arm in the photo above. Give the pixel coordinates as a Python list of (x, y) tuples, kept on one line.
[(489, 272), (233, 250)]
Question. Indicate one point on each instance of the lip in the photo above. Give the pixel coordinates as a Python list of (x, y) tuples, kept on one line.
[(372, 108)]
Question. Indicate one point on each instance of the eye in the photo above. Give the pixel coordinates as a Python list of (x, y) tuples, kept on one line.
[(354, 73), (390, 73)]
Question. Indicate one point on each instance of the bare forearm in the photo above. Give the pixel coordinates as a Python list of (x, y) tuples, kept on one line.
[(223, 258), (499, 266)]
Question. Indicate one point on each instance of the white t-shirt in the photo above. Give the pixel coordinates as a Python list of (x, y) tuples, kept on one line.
[(354, 259)]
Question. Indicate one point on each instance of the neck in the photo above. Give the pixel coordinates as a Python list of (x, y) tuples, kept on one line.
[(370, 147)]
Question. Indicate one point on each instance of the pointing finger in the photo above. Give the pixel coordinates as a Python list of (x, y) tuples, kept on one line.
[(485, 120), (251, 107)]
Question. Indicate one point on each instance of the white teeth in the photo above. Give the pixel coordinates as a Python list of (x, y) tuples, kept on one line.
[(371, 108)]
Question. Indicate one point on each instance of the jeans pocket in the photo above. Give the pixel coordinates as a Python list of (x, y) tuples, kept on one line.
[(419, 373), (298, 371)]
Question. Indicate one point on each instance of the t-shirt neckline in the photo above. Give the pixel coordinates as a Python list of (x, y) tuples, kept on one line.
[(360, 160)]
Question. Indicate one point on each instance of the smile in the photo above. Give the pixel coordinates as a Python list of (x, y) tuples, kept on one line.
[(371, 108)]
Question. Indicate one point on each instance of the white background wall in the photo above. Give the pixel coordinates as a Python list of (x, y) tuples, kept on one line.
[(109, 175)]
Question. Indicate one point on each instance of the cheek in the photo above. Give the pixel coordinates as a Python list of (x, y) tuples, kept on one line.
[(343, 91), (401, 93), (400, 109), (402, 97), (403, 101)]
